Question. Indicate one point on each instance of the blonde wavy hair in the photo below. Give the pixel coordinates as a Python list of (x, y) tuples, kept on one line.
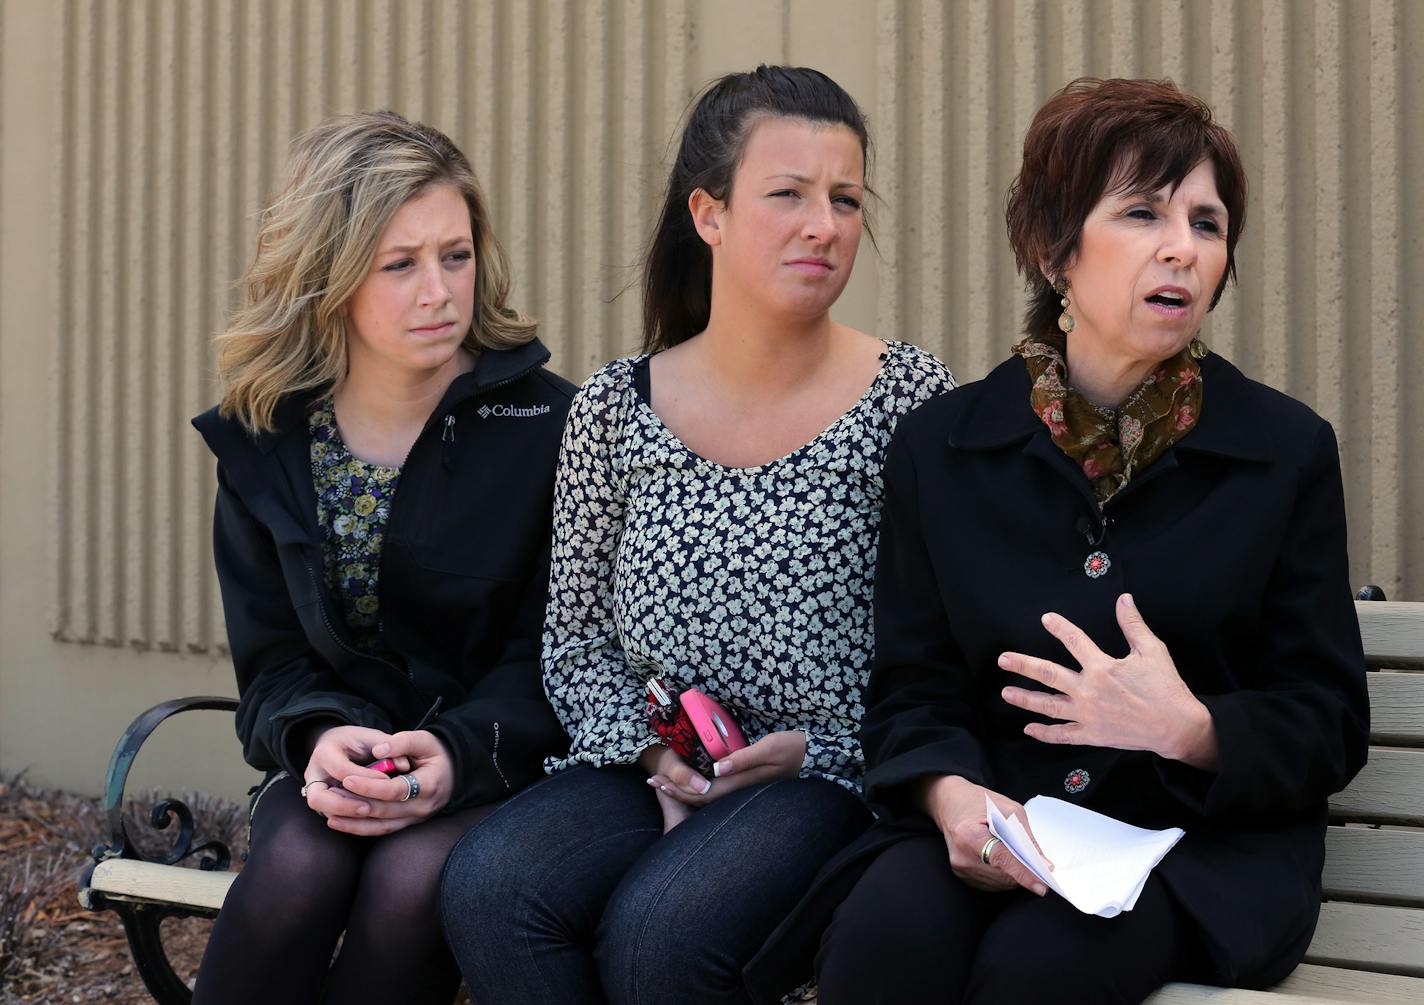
[(349, 176)]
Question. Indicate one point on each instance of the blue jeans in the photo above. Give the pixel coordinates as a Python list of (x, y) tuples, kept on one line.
[(571, 893)]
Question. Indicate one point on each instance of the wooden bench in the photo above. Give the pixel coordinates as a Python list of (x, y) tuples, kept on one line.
[(1368, 947), (1369, 944)]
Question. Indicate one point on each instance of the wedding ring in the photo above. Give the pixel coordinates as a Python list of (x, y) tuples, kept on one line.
[(988, 847), (314, 781), (412, 787)]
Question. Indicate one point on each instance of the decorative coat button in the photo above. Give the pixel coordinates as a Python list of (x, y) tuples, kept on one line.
[(1076, 781), (1097, 564)]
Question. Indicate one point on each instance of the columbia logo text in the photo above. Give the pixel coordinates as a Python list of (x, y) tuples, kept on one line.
[(512, 411)]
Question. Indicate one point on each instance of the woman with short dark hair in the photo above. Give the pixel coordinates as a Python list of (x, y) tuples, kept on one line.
[(1113, 572)]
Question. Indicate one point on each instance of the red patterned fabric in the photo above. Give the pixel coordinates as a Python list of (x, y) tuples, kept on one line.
[(1112, 444)]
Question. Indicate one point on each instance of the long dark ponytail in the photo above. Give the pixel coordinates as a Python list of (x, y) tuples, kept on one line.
[(677, 269)]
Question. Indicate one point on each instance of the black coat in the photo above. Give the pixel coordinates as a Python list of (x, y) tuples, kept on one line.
[(1232, 544), (464, 574)]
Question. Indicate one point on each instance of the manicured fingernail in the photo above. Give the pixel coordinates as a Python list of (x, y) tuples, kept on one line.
[(720, 767), (381, 749), (1004, 660), (1127, 600), (701, 784), (653, 782), (1045, 619), (662, 788)]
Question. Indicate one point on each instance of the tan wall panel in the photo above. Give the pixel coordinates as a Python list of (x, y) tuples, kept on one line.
[(169, 150), (163, 130), (133, 173)]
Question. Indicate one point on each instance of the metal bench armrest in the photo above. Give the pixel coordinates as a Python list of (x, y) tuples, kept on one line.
[(142, 920), (214, 854)]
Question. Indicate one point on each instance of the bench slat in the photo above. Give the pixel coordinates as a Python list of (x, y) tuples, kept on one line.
[(1195, 994), (1307, 984), (1352, 985), (1390, 789), (149, 882), (1364, 862), (1383, 939), (1393, 633), (1396, 708)]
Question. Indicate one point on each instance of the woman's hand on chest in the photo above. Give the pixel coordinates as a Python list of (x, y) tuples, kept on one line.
[(1139, 702)]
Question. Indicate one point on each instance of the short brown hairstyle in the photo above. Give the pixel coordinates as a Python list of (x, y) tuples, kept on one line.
[(1096, 135)]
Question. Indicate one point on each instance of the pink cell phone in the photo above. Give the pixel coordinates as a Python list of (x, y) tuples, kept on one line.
[(715, 727), (385, 764)]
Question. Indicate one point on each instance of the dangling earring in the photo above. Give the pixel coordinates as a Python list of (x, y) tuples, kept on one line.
[(1198, 348), (1065, 320)]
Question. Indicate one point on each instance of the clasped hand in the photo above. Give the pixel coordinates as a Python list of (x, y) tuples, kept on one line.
[(360, 800), (681, 790), (1139, 702)]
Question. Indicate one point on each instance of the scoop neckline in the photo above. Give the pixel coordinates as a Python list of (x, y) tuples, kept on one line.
[(326, 405), (892, 348)]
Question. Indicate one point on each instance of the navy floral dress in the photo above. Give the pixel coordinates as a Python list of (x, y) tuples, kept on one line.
[(353, 504), (752, 584)]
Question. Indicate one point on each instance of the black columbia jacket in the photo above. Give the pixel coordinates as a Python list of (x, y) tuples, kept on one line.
[(464, 574)]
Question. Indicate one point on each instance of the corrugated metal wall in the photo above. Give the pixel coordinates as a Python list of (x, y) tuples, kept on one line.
[(173, 120)]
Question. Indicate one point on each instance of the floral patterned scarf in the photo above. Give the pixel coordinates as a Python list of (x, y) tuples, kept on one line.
[(1112, 444)]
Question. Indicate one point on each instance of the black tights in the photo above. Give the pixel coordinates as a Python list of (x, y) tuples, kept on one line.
[(304, 884)]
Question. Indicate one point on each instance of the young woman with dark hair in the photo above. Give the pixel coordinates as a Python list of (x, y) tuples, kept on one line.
[(715, 526)]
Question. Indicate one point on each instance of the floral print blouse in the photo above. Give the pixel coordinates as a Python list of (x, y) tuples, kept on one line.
[(353, 503), (751, 584)]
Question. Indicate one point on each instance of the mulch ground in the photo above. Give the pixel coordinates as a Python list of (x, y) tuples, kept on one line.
[(51, 949)]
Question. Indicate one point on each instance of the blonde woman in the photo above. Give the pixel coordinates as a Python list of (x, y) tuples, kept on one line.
[(386, 446)]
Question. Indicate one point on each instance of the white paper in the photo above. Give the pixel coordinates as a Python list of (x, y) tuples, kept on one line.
[(1100, 864)]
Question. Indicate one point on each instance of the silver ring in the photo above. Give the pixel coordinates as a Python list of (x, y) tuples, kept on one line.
[(314, 781), (412, 787), (988, 847)]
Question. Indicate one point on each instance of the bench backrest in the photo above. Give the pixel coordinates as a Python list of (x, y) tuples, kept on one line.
[(1373, 917)]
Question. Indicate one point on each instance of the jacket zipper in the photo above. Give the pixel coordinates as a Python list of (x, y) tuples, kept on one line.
[(331, 630), (447, 437), (447, 434), (494, 757)]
